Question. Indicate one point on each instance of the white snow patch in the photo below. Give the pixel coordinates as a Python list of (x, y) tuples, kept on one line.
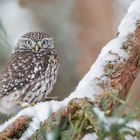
[(114, 46), (50, 136), (91, 136), (127, 25), (100, 114), (134, 124), (128, 137)]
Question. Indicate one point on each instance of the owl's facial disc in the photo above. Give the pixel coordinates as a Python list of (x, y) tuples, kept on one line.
[(45, 44)]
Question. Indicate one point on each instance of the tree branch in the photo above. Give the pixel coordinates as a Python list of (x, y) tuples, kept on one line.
[(15, 129)]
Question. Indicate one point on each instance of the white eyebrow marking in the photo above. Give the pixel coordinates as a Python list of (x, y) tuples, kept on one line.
[(24, 39)]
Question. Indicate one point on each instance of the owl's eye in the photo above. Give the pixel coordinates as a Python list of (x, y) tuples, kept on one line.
[(45, 42), (48, 43), (28, 42)]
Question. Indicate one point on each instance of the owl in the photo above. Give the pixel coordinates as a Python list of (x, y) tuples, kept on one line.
[(30, 74)]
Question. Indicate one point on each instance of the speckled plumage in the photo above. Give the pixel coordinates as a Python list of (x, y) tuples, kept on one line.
[(30, 73)]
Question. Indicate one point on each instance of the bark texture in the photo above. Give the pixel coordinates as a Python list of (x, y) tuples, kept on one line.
[(118, 77), (15, 129)]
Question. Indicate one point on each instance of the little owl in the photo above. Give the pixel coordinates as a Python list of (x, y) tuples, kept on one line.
[(30, 73)]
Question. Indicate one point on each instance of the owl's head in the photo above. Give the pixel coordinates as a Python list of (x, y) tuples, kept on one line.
[(36, 42)]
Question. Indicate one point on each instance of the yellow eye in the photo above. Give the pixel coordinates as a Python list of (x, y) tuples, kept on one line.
[(28, 42)]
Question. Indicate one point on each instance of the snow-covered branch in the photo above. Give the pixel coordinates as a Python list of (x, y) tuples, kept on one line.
[(106, 84)]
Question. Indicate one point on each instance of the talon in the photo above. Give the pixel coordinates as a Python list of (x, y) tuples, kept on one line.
[(32, 104), (50, 98), (25, 104)]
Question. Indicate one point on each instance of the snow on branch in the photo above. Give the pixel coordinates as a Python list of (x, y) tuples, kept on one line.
[(127, 129), (107, 83)]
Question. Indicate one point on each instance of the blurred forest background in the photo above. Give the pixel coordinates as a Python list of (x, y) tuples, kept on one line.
[(80, 29)]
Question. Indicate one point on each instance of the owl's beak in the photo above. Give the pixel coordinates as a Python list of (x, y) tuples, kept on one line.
[(36, 48)]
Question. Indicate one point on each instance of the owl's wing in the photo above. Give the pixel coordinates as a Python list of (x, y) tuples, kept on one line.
[(21, 70)]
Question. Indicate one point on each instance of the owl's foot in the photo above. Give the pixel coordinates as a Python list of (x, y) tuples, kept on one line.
[(25, 104), (32, 104), (50, 98)]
